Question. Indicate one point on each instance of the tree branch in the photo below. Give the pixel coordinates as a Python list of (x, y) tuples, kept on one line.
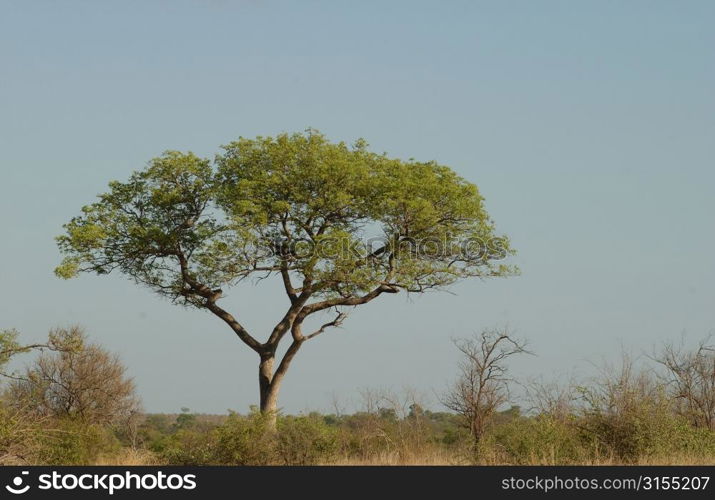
[(211, 297), (285, 362), (285, 275), (335, 323), (346, 301)]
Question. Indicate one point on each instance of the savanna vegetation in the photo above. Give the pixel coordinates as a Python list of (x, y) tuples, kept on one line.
[(73, 403), (337, 226)]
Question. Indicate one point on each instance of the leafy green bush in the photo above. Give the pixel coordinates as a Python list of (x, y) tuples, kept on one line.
[(539, 440), (646, 431), (187, 447), (245, 440), (306, 440)]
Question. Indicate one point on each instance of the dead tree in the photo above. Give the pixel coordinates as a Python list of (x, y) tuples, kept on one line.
[(691, 376), (482, 386)]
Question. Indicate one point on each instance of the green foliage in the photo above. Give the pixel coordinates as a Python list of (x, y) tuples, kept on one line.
[(187, 447), (18, 436), (540, 440), (8, 346), (239, 440), (63, 340), (70, 442), (364, 438), (153, 431), (306, 440), (137, 226), (647, 429), (625, 416), (296, 202), (185, 420), (245, 440), (67, 340), (630, 414), (628, 438)]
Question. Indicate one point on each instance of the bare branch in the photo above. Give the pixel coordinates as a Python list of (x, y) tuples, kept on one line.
[(335, 323), (211, 296), (482, 386)]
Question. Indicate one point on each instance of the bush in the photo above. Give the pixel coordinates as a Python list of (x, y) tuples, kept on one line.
[(645, 432), (245, 440), (539, 440), (366, 434), (239, 440), (72, 443), (85, 383), (306, 440), (187, 447), (19, 436), (629, 414)]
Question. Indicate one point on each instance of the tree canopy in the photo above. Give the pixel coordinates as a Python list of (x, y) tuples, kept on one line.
[(341, 221)]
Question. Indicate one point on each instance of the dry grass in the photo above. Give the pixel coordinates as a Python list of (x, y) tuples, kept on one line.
[(678, 460), (441, 457), (433, 457), (129, 456), (447, 461)]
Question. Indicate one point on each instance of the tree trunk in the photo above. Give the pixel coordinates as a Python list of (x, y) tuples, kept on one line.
[(270, 380), (269, 391), (477, 433)]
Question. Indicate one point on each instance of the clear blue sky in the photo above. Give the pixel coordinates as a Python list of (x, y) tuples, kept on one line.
[(589, 126)]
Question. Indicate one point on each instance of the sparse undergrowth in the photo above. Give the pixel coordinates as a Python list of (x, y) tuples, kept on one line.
[(364, 439), (627, 415)]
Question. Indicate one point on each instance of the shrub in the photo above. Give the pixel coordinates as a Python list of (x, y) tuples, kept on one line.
[(19, 437), (628, 414), (245, 440), (306, 440), (69, 442), (187, 447), (85, 383), (539, 440), (644, 432)]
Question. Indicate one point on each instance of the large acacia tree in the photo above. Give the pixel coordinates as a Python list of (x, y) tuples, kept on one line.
[(338, 225)]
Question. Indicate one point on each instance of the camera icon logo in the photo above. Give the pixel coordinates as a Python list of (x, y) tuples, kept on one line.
[(17, 487)]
